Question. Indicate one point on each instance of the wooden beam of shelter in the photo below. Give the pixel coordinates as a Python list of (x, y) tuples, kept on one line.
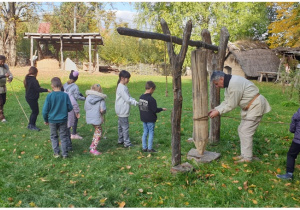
[(163, 37)]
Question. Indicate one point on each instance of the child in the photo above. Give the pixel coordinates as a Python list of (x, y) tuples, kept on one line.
[(148, 110), (33, 90), (72, 115), (122, 108), (294, 148), (55, 114), (71, 88), (95, 109)]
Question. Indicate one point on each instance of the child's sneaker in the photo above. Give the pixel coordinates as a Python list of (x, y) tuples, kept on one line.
[(151, 150), (56, 155), (286, 176), (129, 145), (95, 152), (75, 136)]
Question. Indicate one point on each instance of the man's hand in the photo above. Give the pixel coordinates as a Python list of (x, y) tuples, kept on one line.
[(213, 113), (164, 109), (46, 123)]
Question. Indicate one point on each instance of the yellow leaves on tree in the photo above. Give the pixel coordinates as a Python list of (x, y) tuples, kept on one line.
[(285, 30)]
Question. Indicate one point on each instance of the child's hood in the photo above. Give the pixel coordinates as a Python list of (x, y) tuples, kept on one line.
[(297, 115), (95, 96)]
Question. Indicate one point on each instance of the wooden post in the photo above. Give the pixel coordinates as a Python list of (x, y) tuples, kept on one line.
[(176, 63), (31, 51), (217, 64), (200, 97), (90, 54), (61, 54), (95, 53), (165, 68)]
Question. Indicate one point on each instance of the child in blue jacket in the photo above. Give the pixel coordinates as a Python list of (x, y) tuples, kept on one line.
[(55, 114), (294, 148)]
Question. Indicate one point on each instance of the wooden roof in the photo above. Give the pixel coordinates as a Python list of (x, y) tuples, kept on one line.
[(67, 38)]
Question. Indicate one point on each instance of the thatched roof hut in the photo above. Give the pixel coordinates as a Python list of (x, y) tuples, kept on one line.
[(246, 58)]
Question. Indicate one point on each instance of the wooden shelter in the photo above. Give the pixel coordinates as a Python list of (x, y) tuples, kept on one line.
[(288, 52), (249, 58), (65, 42)]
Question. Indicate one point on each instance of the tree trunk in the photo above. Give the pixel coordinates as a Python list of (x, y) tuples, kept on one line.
[(200, 99), (176, 62), (163, 37), (217, 64)]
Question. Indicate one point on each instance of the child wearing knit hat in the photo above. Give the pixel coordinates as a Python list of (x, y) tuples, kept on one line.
[(71, 88)]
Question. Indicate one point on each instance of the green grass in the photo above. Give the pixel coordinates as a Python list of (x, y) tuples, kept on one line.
[(31, 177)]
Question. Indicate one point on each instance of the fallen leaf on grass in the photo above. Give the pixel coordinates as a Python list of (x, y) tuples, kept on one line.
[(14, 150), (23, 152), (128, 167), (240, 188), (72, 182), (36, 157), (10, 199), (250, 191), (140, 190), (235, 181), (89, 198), (85, 193), (186, 203), (245, 185), (225, 166), (18, 204), (149, 155), (44, 180), (71, 206), (252, 185), (278, 170), (130, 173), (224, 185), (122, 204), (149, 193), (32, 204), (287, 184), (254, 201), (102, 201)]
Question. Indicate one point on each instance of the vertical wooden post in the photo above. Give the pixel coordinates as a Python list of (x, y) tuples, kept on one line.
[(200, 96), (95, 54), (176, 63), (217, 64), (61, 54), (90, 54), (31, 51)]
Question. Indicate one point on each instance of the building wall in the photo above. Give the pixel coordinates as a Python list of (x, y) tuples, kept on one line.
[(235, 68)]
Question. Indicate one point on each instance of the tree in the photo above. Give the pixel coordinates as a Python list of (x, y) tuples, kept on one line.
[(285, 30), (240, 18), (62, 19), (12, 13)]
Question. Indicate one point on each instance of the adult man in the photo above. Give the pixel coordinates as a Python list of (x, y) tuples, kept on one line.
[(241, 92), (5, 75)]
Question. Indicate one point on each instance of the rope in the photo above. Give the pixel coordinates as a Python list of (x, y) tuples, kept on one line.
[(206, 118), (18, 101)]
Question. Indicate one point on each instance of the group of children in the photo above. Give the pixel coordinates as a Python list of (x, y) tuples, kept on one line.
[(61, 111)]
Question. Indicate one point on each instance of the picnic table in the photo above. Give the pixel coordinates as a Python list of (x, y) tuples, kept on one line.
[(266, 74)]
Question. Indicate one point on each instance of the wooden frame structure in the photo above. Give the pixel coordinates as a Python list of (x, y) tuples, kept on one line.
[(66, 42), (199, 72)]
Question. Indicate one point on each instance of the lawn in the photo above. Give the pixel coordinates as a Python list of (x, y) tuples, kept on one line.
[(31, 177)]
